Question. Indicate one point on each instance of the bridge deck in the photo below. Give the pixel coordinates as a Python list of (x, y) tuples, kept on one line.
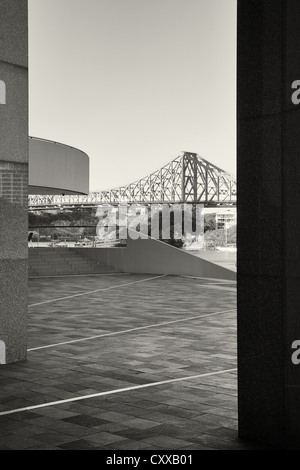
[(125, 362)]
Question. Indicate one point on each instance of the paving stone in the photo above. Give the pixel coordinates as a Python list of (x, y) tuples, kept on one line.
[(104, 438), (167, 442), (80, 444), (53, 439), (85, 420)]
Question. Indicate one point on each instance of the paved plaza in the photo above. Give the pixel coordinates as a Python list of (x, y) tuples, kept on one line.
[(125, 361)]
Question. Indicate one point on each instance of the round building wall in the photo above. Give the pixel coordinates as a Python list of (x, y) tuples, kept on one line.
[(55, 168)]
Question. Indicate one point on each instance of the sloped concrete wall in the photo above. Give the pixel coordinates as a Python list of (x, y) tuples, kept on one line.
[(150, 256), (156, 257)]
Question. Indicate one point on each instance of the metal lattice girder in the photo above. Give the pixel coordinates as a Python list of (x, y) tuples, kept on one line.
[(188, 178)]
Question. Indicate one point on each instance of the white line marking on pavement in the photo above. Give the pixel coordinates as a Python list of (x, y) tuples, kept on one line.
[(226, 281), (97, 290), (78, 275), (132, 329), (111, 392)]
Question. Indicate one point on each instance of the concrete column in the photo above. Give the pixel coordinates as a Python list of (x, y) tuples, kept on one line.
[(268, 221), (13, 179)]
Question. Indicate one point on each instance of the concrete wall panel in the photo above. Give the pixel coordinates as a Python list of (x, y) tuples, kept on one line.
[(13, 181)]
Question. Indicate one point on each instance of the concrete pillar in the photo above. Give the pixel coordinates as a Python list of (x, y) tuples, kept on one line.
[(13, 179), (268, 221)]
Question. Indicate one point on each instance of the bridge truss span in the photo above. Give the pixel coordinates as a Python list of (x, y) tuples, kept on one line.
[(188, 178)]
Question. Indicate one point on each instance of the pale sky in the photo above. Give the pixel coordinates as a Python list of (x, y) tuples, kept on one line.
[(134, 82)]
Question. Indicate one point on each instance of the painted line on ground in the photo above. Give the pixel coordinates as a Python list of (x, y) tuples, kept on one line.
[(223, 287), (97, 290), (218, 279), (114, 333), (111, 392), (77, 275)]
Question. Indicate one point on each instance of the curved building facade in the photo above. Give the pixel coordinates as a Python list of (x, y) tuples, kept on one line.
[(56, 168)]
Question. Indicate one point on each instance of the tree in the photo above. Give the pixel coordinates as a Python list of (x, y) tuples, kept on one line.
[(209, 222)]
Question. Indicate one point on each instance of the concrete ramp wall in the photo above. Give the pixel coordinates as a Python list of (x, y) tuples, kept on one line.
[(149, 256)]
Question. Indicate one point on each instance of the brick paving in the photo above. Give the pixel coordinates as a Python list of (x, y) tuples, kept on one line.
[(104, 356)]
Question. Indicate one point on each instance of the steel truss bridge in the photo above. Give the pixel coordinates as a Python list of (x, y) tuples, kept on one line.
[(188, 178)]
